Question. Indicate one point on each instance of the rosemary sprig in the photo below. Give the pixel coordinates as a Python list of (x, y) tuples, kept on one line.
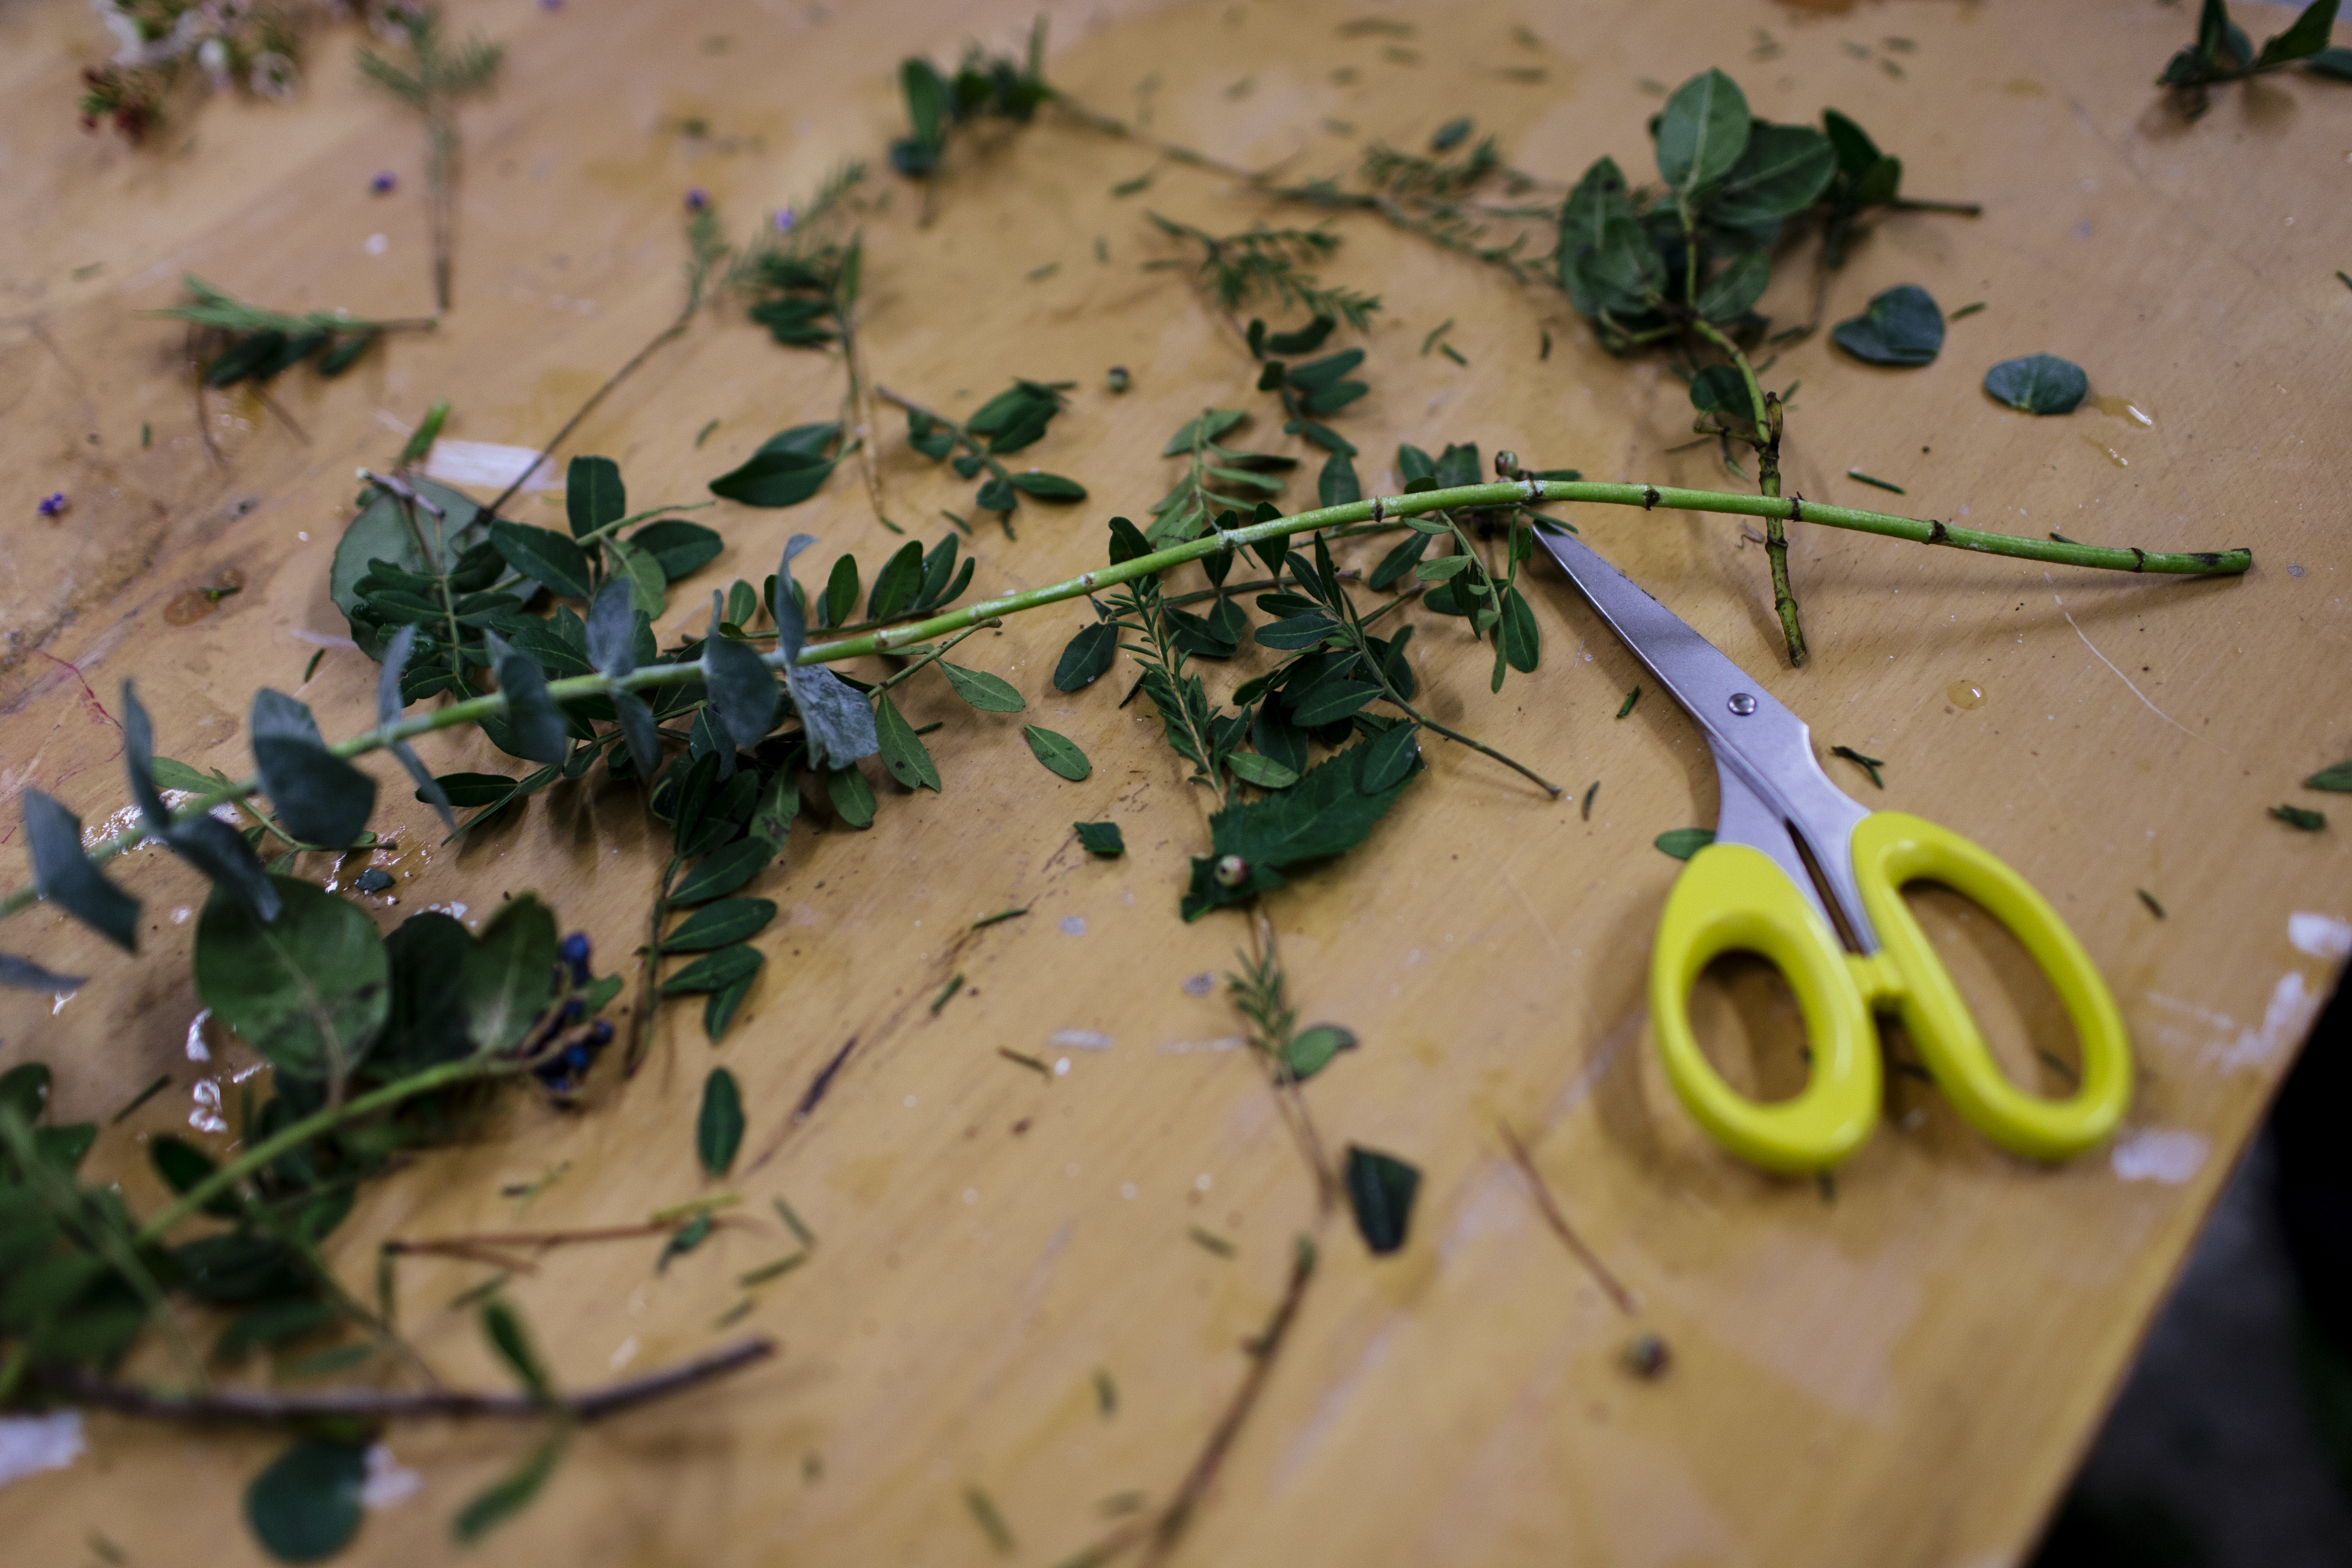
[(435, 78)]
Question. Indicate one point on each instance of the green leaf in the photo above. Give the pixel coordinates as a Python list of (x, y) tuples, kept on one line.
[(25, 1089), (1902, 326), (1391, 756), (903, 751), (533, 727), (310, 991), (1058, 753), (1703, 131), (1332, 702), (925, 97), (1262, 771), (475, 789), (1621, 273), (2298, 817), (305, 1506), (838, 720), (1721, 389), (1102, 838), (183, 1166), (1598, 199), (65, 877), (2305, 37), (505, 1332), (544, 555), (1733, 292), (2338, 778), (502, 1500), (1293, 632), (1856, 152), (508, 979), (270, 1323), (381, 532), (1087, 658), (1521, 641), (1047, 487), (786, 470), (2336, 62), (719, 1131), (1311, 1050), (678, 547), (1338, 486), (988, 693), (852, 796), (718, 1008), (1682, 843), (2038, 383), (1328, 811), (644, 573), (716, 972), (724, 871), (743, 690), (1443, 567), (1783, 171), (1380, 1190), (593, 496), (320, 797), (721, 924)]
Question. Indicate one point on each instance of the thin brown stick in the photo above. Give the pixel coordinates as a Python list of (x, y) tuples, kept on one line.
[(1169, 1527), (1560, 1228), (374, 1403), (485, 1245)]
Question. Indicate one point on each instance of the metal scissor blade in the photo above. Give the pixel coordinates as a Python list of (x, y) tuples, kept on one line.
[(1753, 736)]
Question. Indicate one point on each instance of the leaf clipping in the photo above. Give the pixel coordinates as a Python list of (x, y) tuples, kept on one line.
[(1328, 811)]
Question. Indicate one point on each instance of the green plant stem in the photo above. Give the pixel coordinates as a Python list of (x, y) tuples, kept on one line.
[(1767, 478), (1917, 531), (944, 647), (641, 1027), (294, 1135)]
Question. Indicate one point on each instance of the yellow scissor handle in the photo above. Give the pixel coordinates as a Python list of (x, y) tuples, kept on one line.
[(1892, 849), (1733, 898)]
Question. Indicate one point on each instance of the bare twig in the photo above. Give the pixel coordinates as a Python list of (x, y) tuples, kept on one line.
[(1560, 1228), (247, 1406)]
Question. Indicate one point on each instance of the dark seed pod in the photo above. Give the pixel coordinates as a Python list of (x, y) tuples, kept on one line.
[(1647, 1356), (1231, 871), (1120, 380)]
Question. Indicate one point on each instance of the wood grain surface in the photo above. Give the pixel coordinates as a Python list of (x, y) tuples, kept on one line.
[(1900, 1370)]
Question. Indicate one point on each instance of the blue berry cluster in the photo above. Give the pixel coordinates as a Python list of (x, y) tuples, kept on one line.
[(563, 1073)]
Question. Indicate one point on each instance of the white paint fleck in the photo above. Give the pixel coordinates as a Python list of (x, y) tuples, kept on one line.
[(1082, 1040), (971, 1195), (378, 244), (180, 916), (197, 1050), (624, 1354), (2283, 1021), (2322, 936), (1061, 1067), (1203, 1182), (1073, 925), (31, 1444), (388, 1482), (59, 1000), (488, 463), (2158, 1154), (1126, 1189), (1186, 1047)]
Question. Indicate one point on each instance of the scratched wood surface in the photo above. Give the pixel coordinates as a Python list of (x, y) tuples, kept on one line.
[(1902, 1375)]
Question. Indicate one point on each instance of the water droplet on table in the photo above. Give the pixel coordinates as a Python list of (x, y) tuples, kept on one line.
[(1965, 694)]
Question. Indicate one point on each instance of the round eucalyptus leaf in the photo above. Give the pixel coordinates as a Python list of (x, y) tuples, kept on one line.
[(309, 990), (2038, 383), (1903, 326), (306, 1506)]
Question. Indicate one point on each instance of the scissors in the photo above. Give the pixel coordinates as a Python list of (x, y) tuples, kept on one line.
[(1750, 891)]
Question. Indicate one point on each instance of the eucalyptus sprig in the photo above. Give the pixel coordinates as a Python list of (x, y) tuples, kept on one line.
[(2223, 53), (436, 77)]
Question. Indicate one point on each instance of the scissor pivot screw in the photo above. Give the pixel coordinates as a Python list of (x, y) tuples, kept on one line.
[(1743, 703)]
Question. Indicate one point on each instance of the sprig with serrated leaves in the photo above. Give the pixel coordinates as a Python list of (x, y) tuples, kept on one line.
[(2223, 53)]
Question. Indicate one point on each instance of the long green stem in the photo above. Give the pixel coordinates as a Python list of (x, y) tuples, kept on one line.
[(295, 1134), (1917, 530)]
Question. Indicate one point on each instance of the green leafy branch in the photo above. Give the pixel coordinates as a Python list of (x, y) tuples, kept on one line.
[(1012, 421), (65, 872), (2223, 53)]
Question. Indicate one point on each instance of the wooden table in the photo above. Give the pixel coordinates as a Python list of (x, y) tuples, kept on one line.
[(1900, 1370)]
